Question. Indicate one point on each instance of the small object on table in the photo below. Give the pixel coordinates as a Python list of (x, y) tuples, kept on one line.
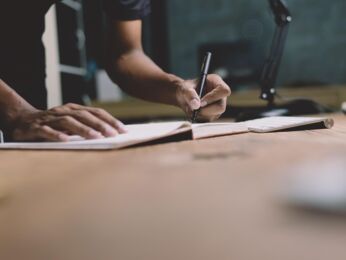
[(343, 107), (317, 185)]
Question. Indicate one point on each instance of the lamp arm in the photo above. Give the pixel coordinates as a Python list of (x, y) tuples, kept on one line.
[(271, 67)]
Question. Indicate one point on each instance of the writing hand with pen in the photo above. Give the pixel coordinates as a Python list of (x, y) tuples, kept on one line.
[(211, 106), (204, 99)]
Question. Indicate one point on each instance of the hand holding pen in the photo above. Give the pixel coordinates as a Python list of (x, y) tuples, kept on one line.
[(203, 99), (202, 82)]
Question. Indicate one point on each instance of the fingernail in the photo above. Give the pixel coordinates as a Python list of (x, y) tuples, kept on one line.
[(195, 104), (95, 135), (122, 127), (63, 138), (204, 103), (123, 130), (110, 131)]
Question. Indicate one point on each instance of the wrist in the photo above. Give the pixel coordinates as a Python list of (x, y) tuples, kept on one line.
[(12, 106), (176, 84)]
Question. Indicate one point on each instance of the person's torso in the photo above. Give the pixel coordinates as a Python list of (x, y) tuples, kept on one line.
[(22, 58), (22, 55)]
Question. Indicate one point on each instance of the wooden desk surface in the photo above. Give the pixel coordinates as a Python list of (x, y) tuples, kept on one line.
[(210, 199)]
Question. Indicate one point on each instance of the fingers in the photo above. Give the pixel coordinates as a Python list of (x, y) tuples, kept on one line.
[(218, 90), (101, 115), (71, 119), (213, 111), (88, 119), (40, 133), (47, 133), (72, 126), (214, 103), (109, 119), (216, 108), (191, 97), (84, 119)]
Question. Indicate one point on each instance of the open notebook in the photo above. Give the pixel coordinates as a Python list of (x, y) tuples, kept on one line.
[(176, 131)]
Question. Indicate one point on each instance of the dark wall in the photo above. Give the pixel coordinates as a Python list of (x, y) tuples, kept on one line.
[(316, 47)]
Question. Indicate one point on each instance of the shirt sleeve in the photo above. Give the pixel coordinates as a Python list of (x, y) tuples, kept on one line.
[(127, 9)]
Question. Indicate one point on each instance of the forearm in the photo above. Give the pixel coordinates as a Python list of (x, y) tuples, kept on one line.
[(140, 77), (11, 104)]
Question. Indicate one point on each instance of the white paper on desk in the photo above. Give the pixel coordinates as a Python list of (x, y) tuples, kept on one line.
[(263, 125), (142, 133), (136, 134), (208, 130), (277, 123)]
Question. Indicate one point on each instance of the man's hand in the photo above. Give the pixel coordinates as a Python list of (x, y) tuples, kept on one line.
[(58, 123), (212, 105)]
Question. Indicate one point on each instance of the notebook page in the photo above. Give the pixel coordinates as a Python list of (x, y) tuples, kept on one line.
[(136, 134), (271, 124), (208, 130)]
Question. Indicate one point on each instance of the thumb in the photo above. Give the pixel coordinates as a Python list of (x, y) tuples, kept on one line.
[(192, 99)]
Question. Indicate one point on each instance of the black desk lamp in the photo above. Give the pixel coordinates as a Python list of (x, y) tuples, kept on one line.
[(283, 19)]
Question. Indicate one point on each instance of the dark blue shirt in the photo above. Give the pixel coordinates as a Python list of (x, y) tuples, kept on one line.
[(22, 57)]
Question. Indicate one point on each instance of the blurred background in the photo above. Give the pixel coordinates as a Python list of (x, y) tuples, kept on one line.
[(176, 35)]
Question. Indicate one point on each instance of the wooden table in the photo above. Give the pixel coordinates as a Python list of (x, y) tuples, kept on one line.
[(211, 199)]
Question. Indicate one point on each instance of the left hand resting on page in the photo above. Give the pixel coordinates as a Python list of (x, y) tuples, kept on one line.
[(58, 123)]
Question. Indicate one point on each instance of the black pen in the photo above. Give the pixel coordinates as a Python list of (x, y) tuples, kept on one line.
[(202, 81)]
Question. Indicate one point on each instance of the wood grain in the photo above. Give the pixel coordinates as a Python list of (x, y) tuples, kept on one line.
[(208, 199)]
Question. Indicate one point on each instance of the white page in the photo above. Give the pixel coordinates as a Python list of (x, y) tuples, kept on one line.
[(136, 134), (207, 130), (271, 124), (262, 125), (147, 132)]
